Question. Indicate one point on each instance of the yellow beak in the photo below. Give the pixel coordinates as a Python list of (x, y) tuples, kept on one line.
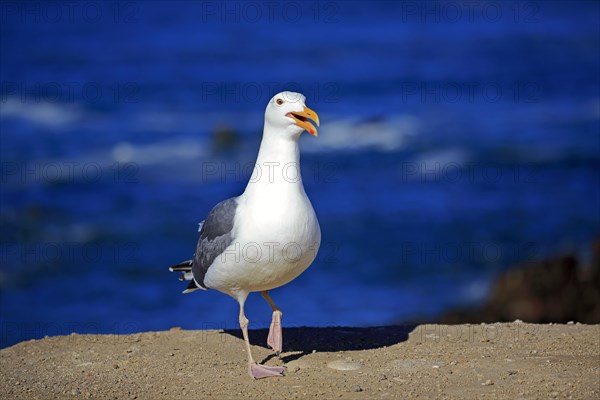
[(302, 119)]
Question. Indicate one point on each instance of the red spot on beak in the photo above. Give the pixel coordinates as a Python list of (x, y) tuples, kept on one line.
[(302, 119)]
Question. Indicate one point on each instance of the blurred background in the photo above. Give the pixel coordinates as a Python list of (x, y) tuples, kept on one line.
[(459, 148)]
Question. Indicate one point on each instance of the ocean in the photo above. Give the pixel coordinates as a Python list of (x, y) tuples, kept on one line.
[(457, 140)]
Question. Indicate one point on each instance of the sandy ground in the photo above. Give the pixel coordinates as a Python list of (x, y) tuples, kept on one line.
[(515, 360)]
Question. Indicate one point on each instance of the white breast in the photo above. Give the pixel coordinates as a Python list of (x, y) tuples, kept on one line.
[(278, 239)]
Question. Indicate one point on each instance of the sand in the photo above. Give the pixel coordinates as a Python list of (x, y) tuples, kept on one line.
[(504, 360)]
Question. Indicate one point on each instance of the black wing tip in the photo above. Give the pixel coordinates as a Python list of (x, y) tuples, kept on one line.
[(191, 287), (185, 266)]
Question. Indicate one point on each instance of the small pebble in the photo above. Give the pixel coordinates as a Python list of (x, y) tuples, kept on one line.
[(487, 383), (343, 365), (570, 323), (357, 388)]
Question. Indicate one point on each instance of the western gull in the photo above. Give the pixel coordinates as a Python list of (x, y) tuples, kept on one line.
[(268, 235)]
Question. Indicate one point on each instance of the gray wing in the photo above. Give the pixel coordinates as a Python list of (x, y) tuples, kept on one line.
[(215, 236)]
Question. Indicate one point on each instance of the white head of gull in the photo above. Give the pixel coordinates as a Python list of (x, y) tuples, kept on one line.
[(268, 235)]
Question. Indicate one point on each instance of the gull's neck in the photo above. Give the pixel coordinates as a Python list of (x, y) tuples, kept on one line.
[(277, 165)]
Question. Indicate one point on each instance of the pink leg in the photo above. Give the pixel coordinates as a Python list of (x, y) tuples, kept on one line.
[(255, 370), (275, 338)]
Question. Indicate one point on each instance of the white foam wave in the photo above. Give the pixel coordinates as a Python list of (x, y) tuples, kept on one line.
[(349, 135), (158, 153), (435, 159), (52, 115)]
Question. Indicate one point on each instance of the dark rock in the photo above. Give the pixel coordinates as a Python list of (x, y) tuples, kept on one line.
[(555, 290)]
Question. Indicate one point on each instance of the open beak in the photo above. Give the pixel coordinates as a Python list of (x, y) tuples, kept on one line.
[(303, 119)]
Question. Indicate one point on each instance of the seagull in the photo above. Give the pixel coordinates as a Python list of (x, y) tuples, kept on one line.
[(267, 236)]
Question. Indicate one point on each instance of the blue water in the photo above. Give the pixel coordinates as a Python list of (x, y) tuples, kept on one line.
[(455, 143)]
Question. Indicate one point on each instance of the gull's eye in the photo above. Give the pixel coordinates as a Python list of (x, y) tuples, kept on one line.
[(279, 102)]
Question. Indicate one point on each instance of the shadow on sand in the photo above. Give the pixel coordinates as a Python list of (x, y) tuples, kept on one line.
[(304, 340)]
